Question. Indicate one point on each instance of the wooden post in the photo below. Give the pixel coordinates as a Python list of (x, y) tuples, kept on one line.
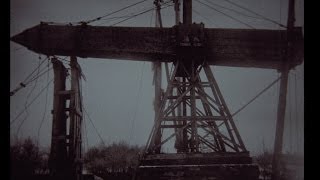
[(280, 123), (194, 129), (187, 11), (184, 113), (177, 11), (157, 80), (231, 128), (157, 102), (58, 154), (75, 148), (180, 136), (158, 14), (278, 143)]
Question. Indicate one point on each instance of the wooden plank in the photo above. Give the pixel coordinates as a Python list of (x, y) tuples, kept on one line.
[(185, 97), (197, 118), (223, 47), (58, 150)]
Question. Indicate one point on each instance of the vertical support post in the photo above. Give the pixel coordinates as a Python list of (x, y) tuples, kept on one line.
[(177, 11), (75, 147), (184, 113), (151, 144), (182, 141), (158, 14), (58, 153), (282, 96), (187, 11), (218, 95), (157, 101), (280, 124), (194, 131), (157, 80), (217, 137)]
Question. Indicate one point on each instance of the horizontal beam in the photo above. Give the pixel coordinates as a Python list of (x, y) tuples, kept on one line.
[(185, 97), (180, 126), (198, 118), (222, 47), (175, 156)]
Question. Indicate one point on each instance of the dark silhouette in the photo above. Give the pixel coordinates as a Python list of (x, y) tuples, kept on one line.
[(27, 160), (115, 161)]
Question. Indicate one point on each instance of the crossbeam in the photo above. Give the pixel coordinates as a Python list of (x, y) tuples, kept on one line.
[(222, 47)]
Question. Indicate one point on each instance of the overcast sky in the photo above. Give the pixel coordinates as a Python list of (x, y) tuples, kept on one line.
[(118, 95)]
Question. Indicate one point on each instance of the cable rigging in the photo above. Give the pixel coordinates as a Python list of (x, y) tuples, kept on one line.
[(40, 74), (129, 15), (263, 17), (93, 125), (115, 18), (296, 112), (138, 102), (193, 10), (86, 133), (231, 17), (11, 122), (230, 9), (255, 97), (29, 94), (28, 104), (290, 117), (45, 107), (99, 18), (26, 81), (143, 13), (17, 49)]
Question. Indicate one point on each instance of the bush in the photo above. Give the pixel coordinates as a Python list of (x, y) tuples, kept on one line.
[(116, 158), (26, 159)]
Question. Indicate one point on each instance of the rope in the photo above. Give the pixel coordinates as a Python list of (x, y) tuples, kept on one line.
[(231, 17), (290, 116), (39, 75), (99, 18), (255, 97), (11, 122), (141, 13), (23, 84), (37, 68), (280, 12), (230, 9), (17, 49), (45, 109), (115, 18), (138, 102), (204, 17), (26, 102), (296, 112), (93, 125), (263, 17), (86, 133), (151, 18)]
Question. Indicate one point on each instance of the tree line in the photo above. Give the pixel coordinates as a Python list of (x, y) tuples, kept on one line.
[(105, 161), (112, 161)]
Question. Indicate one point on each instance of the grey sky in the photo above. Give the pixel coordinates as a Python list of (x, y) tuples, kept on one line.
[(111, 91)]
